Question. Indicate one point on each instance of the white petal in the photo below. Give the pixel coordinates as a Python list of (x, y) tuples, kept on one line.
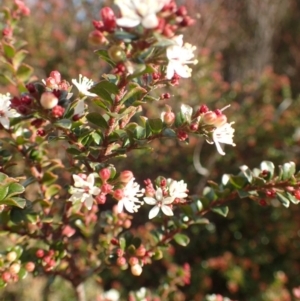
[(168, 200), (170, 71), (95, 190), (78, 181), (120, 206), (150, 21), (89, 202), (159, 194), (153, 212), (128, 22), (167, 210), (5, 122), (91, 180), (150, 201)]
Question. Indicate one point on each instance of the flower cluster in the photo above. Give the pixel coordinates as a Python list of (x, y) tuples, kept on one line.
[(169, 192)]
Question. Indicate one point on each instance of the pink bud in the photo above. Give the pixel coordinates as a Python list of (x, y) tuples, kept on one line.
[(169, 118), (106, 188), (51, 83), (133, 260), (126, 176), (104, 174), (40, 253), (209, 117), (57, 112), (97, 38), (30, 266), (56, 75), (118, 194), (48, 100), (68, 231), (100, 199), (220, 120), (121, 261), (108, 18)]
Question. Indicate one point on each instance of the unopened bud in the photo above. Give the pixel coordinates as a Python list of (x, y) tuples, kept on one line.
[(136, 270), (40, 253), (116, 53), (121, 261), (15, 268), (11, 256), (126, 176), (48, 100), (220, 120), (108, 18), (209, 117), (118, 194), (133, 261), (97, 38), (104, 174), (56, 75), (30, 266)]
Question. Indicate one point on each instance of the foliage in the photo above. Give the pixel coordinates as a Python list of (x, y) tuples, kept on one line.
[(73, 163)]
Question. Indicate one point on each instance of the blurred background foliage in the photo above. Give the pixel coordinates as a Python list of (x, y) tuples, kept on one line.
[(249, 57)]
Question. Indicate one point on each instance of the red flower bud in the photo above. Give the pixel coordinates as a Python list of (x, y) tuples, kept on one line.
[(126, 176), (118, 194), (108, 18), (56, 75)]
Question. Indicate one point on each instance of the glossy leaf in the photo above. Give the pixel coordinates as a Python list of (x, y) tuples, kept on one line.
[(222, 210), (182, 239)]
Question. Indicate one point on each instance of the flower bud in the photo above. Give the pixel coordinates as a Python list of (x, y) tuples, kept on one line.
[(133, 261), (11, 256), (48, 100), (100, 199), (108, 18), (30, 266), (126, 176), (106, 188), (39, 253), (118, 194), (51, 83), (6, 276), (56, 75), (209, 117), (141, 251), (104, 174), (15, 268), (220, 120), (97, 38), (121, 261), (116, 53), (136, 270)]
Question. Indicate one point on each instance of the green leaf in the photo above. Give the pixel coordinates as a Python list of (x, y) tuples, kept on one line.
[(96, 137), (139, 133), (169, 133), (52, 190), (288, 170), (9, 50), (3, 192), (238, 181), (24, 72), (104, 89), (19, 57), (104, 56), (3, 177), (181, 239), (156, 125), (210, 194), (74, 151), (97, 119), (247, 173), (49, 178), (282, 199), (291, 198), (134, 89), (124, 36), (64, 123), (222, 210), (14, 189), (22, 273), (14, 201)]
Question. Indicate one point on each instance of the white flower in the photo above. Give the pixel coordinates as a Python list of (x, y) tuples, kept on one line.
[(135, 12), (177, 189), (5, 111), (130, 199), (223, 134), (83, 85), (179, 55), (112, 295), (160, 202), (84, 190)]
